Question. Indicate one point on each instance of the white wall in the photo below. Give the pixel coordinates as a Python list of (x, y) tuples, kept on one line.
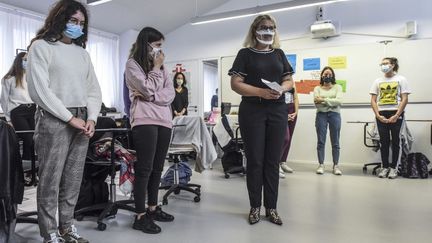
[(371, 17)]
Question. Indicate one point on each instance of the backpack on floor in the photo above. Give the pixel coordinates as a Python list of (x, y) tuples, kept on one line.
[(415, 165), (94, 189)]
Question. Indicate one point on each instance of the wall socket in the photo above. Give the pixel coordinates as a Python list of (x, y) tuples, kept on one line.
[(410, 28)]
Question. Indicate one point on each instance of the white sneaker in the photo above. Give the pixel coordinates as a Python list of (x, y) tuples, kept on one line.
[(336, 170), (383, 173), (320, 169), (286, 168), (281, 173), (54, 238), (393, 174)]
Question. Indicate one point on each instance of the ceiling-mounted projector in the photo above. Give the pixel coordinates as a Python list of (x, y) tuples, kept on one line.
[(324, 29)]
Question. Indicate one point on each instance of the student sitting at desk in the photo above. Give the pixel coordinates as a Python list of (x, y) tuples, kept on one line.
[(389, 99), (328, 99)]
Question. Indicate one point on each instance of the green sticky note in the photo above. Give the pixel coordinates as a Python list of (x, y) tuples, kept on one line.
[(343, 84)]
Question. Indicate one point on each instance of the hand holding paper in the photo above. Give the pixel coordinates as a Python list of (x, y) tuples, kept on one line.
[(273, 85)]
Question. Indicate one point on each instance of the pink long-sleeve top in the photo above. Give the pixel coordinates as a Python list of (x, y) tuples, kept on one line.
[(158, 92)]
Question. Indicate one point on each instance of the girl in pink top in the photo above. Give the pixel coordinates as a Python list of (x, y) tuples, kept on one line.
[(151, 94)]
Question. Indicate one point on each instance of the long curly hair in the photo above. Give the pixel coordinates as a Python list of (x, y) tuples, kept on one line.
[(17, 70), (58, 17)]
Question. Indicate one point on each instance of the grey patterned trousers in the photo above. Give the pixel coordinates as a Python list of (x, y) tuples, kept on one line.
[(61, 151)]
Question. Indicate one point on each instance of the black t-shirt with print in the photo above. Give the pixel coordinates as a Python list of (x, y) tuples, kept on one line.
[(254, 65)]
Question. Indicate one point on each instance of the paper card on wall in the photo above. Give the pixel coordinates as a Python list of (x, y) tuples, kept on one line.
[(292, 59), (339, 62), (310, 64), (342, 83)]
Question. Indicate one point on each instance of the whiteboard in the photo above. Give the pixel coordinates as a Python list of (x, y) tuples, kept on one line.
[(358, 71)]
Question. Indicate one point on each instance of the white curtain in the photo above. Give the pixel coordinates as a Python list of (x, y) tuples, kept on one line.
[(18, 27), (104, 52)]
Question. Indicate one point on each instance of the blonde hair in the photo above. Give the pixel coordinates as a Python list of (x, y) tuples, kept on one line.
[(251, 41)]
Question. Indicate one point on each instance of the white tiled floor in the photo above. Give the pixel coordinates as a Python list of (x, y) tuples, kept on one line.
[(351, 208)]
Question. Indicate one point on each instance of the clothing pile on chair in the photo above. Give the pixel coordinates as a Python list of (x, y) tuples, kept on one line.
[(102, 150)]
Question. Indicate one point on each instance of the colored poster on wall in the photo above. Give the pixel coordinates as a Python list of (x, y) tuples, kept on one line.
[(292, 59), (339, 62), (310, 64), (342, 83)]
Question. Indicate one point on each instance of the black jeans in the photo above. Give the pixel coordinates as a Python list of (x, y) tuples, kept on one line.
[(263, 126), (22, 118), (151, 144), (390, 132)]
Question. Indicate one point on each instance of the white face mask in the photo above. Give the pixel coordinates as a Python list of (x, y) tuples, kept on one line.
[(155, 51), (386, 68), (262, 33), (179, 82)]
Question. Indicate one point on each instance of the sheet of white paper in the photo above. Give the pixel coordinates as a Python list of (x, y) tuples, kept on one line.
[(273, 85)]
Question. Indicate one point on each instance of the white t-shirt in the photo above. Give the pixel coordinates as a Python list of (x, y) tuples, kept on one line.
[(389, 90)]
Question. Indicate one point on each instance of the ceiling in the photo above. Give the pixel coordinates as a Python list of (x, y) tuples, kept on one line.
[(118, 16)]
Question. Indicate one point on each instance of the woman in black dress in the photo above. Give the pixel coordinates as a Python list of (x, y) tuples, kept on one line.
[(181, 102)]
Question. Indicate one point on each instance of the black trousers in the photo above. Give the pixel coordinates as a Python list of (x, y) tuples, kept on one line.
[(390, 133), (151, 144), (22, 118), (263, 127)]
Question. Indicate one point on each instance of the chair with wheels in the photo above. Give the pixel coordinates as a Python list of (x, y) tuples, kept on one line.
[(175, 152)]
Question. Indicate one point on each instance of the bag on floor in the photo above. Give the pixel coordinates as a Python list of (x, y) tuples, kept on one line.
[(232, 159), (185, 173), (94, 189), (415, 165)]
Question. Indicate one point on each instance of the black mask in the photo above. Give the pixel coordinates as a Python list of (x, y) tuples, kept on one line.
[(328, 79)]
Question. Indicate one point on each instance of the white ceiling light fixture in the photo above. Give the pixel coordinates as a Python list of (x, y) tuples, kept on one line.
[(266, 9), (97, 2)]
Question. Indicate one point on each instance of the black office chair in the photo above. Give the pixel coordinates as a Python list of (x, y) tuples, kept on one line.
[(375, 146), (108, 209), (174, 154)]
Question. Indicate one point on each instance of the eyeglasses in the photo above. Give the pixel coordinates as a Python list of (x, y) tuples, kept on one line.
[(265, 27), (76, 21)]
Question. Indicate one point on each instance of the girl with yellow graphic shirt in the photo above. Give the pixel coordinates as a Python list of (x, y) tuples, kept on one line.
[(389, 97)]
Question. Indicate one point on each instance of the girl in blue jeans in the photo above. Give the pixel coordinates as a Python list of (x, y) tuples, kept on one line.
[(328, 99)]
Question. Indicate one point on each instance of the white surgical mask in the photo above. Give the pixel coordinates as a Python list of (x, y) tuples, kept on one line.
[(24, 64), (265, 32), (155, 51), (179, 82), (386, 68)]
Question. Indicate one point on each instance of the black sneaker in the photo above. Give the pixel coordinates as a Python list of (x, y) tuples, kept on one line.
[(160, 216), (254, 215), (273, 216), (146, 225)]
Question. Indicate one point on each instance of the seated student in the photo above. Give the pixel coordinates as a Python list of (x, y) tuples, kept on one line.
[(16, 103), (328, 100), (389, 97)]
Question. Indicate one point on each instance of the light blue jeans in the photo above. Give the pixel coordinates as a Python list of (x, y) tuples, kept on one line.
[(333, 119)]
